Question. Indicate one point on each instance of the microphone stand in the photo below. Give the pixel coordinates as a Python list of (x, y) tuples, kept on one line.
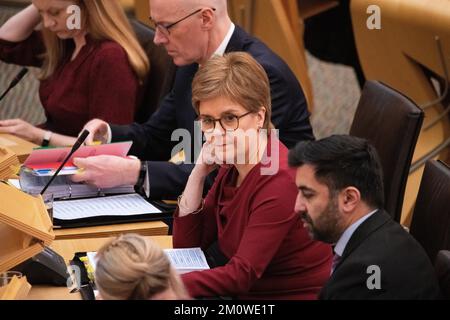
[(75, 147)]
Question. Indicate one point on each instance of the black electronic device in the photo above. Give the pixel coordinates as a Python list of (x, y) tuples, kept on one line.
[(45, 268)]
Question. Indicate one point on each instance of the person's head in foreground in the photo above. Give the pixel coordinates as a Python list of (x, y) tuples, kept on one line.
[(132, 267)]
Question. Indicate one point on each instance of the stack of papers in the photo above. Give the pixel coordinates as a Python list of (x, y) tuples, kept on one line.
[(41, 165), (187, 260), (48, 171), (8, 163), (64, 188)]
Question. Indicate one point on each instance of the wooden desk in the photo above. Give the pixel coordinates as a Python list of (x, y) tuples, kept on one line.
[(152, 228), (155, 228), (67, 249), (21, 147)]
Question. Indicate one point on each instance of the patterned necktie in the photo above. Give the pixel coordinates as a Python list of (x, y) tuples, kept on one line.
[(336, 259)]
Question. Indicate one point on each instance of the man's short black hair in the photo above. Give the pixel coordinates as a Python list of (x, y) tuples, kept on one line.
[(341, 161)]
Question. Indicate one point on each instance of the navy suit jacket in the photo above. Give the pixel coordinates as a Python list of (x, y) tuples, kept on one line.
[(405, 269), (152, 139)]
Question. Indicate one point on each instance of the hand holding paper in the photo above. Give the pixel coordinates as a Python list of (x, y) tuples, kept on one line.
[(107, 171), (49, 160), (44, 162)]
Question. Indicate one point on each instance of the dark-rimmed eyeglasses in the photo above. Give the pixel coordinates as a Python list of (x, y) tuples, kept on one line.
[(228, 122), (165, 29)]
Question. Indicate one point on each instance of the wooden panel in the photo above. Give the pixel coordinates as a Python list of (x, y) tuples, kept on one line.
[(394, 55), (17, 289), (128, 5), (24, 227), (20, 147), (309, 8), (52, 293), (142, 11), (67, 248), (281, 30), (153, 228)]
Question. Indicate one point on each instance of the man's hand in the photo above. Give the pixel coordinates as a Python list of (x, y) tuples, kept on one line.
[(23, 130), (107, 171), (98, 131)]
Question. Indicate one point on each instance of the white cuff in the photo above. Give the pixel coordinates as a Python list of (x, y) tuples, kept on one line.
[(147, 185), (108, 134)]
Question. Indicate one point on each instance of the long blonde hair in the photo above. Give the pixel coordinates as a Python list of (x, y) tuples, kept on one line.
[(132, 267), (103, 20)]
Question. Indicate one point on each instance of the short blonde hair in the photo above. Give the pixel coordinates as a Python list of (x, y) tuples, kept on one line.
[(132, 267), (236, 76)]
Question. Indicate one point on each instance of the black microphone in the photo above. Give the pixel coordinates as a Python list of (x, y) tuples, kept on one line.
[(75, 147), (15, 81)]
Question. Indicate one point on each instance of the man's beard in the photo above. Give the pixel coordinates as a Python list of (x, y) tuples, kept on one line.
[(327, 226)]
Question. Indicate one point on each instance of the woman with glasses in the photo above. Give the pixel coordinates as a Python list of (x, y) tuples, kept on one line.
[(247, 226), (91, 65)]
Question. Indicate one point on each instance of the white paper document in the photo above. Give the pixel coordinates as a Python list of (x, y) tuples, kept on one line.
[(187, 260), (122, 205), (92, 258), (15, 183), (183, 260)]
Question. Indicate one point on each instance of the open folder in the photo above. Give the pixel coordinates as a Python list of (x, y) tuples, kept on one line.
[(81, 205), (107, 210)]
